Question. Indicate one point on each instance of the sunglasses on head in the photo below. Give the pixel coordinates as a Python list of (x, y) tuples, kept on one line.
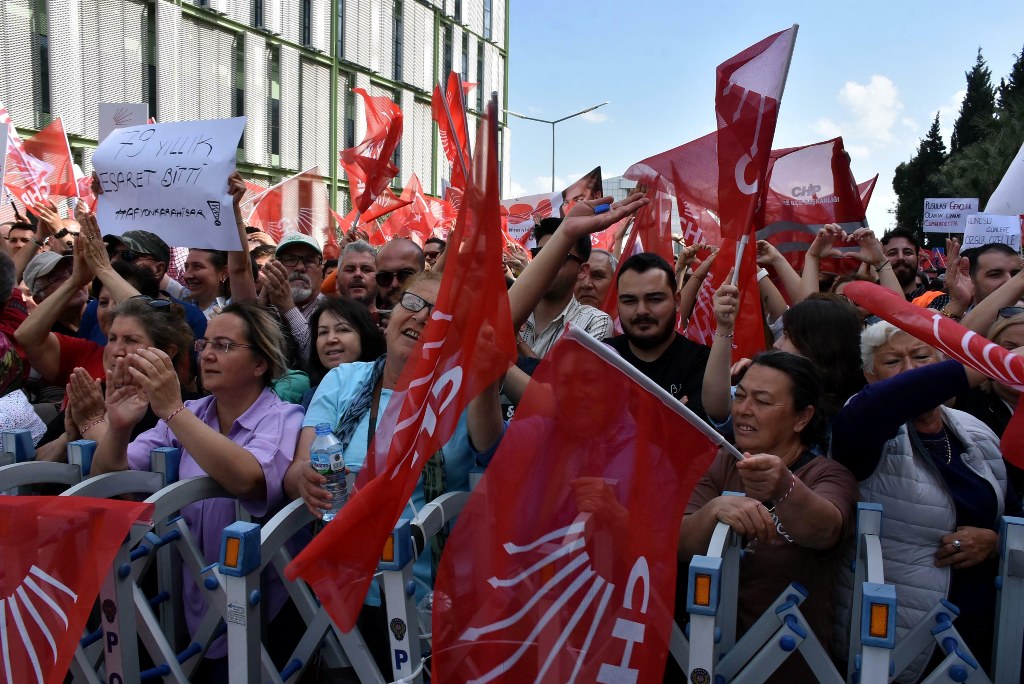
[(160, 304), (1010, 311), (385, 278)]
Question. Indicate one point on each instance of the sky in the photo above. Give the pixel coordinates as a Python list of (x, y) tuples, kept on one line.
[(873, 72)]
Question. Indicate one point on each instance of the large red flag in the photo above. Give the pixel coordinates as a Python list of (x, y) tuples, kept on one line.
[(368, 165), (956, 341), (56, 553), (749, 89), (50, 146), (467, 344), (449, 111), (299, 203), (24, 175), (418, 218), (564, 569), (806, 188)]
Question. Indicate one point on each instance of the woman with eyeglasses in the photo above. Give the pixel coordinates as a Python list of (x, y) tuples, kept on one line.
[(242, 435)]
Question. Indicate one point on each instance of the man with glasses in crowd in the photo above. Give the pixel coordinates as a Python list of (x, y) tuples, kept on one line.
[(292, 282), (558, 305), (397, 261)]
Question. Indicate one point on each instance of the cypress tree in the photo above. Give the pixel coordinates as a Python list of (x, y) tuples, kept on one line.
[(914, 179), (977, 109)]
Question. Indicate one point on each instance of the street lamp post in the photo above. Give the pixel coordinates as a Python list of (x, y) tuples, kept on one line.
[(552, 123)]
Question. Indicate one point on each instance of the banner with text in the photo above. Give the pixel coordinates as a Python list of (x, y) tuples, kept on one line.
[(985, 229), (948, 215), (170, 179)]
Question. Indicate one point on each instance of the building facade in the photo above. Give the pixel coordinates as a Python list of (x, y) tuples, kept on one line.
[(287, 65)]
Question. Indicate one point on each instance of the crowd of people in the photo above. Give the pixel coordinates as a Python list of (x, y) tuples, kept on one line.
[(238, 361)]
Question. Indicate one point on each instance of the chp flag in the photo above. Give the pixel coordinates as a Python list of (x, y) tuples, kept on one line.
[(564, 570), (957, 342), (467, 344), (56, 552)]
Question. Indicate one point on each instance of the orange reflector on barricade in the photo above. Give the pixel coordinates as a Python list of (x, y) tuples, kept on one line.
[(231, 549), (388, 554), (702, 590), (879, 626)]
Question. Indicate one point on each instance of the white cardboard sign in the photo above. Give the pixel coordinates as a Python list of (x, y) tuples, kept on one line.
[(983, 229), (121, 115), (948, 215), (170, 179)]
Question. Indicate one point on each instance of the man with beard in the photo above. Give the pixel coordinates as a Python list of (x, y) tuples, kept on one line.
[(648, 306), (292, 282), (397, 261), (901, 248), (357, 272)]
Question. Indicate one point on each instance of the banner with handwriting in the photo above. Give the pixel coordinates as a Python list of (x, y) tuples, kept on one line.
[(170, 179)]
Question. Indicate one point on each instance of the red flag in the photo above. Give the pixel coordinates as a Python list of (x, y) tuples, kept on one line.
[(56, 553), (866, 189), (300, 203), (24, 175), (449, 111), (564, 569), (418, 218), (467, 344), (957, 342), (50, 146), (806, 188), (749, 89), (368, 164), (384, 203), (748, 335)]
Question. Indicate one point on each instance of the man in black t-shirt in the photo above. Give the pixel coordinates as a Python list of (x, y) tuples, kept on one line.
[(648, 306)]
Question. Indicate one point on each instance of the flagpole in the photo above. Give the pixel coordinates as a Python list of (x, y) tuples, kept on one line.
[(607, 354)]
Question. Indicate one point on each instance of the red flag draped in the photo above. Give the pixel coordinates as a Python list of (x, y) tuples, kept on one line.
[(300, 203), (564, 569), (749, 89), (368, 164), (956, 341), (467, 344), (56, 553), (50, 146), (806, 188), (453, 126)]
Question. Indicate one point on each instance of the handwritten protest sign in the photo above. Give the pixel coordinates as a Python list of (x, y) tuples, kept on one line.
[(948, 215), (170, 179), (983, 229), (121, 115)]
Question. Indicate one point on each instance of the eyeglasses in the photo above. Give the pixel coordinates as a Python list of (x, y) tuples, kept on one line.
[(534, 251), (53, 279), (311, 261), (160, 304), (221, 346), (123, 254), (413, 302), (64, 232), (1010, 311), (385, 278)]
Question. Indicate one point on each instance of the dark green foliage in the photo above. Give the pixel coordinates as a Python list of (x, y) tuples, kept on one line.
[(977, 110)]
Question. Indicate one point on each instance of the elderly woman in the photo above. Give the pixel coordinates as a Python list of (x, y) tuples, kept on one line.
[(242, 435), (798, 508), (940, 477)]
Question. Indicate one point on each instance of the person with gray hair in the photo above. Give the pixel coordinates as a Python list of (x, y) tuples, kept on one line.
[(356, 275), (593, 284), (940, 478)]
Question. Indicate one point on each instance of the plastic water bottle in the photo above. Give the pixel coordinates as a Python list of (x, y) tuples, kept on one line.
[(326, 457)]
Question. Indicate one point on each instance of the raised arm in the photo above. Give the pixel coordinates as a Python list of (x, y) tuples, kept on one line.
[(716, 392), (820, 249), (95, 255), (529, 288), (769, 257), (243, 287), (689, 291)]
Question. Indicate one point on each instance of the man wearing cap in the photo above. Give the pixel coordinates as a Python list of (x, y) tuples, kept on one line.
[(44, 274), (292, 282), (151, 254), (145, 249)]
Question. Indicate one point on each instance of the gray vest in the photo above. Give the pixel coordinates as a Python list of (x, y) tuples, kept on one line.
[(917, 511)]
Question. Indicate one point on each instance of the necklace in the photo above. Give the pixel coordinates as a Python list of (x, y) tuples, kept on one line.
[(945, 442)]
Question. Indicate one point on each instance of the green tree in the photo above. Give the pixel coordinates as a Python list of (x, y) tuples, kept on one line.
[(914, 179), (1012, 87), (977, 109)]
